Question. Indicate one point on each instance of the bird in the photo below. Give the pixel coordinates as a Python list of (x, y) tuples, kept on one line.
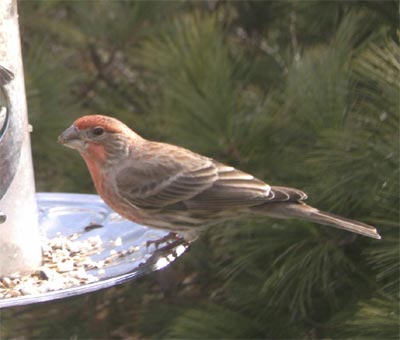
[(168, 187)]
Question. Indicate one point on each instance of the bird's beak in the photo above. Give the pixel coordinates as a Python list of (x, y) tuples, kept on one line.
[(72, 138)]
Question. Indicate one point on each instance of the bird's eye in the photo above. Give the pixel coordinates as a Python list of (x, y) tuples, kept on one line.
[(98, 131)]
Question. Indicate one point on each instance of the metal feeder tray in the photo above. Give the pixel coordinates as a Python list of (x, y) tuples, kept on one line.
[(66, 214)]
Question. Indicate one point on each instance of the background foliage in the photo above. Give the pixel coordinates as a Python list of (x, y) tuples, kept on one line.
[(304, 94)]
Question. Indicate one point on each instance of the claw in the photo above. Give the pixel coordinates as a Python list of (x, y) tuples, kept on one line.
[(170, 238)]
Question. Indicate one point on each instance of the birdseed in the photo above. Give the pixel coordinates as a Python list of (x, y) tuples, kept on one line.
[(66, 262)]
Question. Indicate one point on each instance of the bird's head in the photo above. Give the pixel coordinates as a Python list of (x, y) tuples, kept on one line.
[(98, 137)]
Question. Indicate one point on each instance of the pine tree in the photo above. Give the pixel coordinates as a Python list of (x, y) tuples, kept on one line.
[(304, 94)]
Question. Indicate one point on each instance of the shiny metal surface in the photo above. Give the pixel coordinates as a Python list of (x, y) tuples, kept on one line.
[(66, 214), (5, 76), (10, 136), (19, 233)]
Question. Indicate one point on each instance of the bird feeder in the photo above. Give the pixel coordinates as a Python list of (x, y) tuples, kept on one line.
[(57, 245), (19, 233)]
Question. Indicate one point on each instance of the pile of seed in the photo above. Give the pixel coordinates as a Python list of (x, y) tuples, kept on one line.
[(66, 261)]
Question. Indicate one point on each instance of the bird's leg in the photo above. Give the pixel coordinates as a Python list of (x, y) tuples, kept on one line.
[(170, 238), (169, 245)]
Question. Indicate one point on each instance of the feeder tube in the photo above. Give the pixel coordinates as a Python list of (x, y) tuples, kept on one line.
[(20, 248)]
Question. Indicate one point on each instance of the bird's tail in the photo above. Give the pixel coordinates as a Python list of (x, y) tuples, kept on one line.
[(308, 213)]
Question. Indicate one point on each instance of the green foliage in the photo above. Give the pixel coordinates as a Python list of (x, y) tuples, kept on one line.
[(383, 320), (50, 102), (199, 83), (304, 94), (214, 322)]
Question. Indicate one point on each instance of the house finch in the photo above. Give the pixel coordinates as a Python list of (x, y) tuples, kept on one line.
[(169, 187)]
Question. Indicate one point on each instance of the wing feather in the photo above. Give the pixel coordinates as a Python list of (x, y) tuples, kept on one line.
[(235, 188), (173, 184), (202, 185)]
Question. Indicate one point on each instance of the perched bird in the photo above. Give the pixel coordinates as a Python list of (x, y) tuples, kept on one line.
[(169, 187)]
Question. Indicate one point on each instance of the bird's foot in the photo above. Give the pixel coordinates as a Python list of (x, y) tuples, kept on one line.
[(170, 238)]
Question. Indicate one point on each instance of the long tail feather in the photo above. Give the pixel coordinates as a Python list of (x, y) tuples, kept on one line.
[(308, 213)]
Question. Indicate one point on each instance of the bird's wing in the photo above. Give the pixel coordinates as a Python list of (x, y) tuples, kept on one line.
[(235, 188), (163, 179), (183, 180)]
